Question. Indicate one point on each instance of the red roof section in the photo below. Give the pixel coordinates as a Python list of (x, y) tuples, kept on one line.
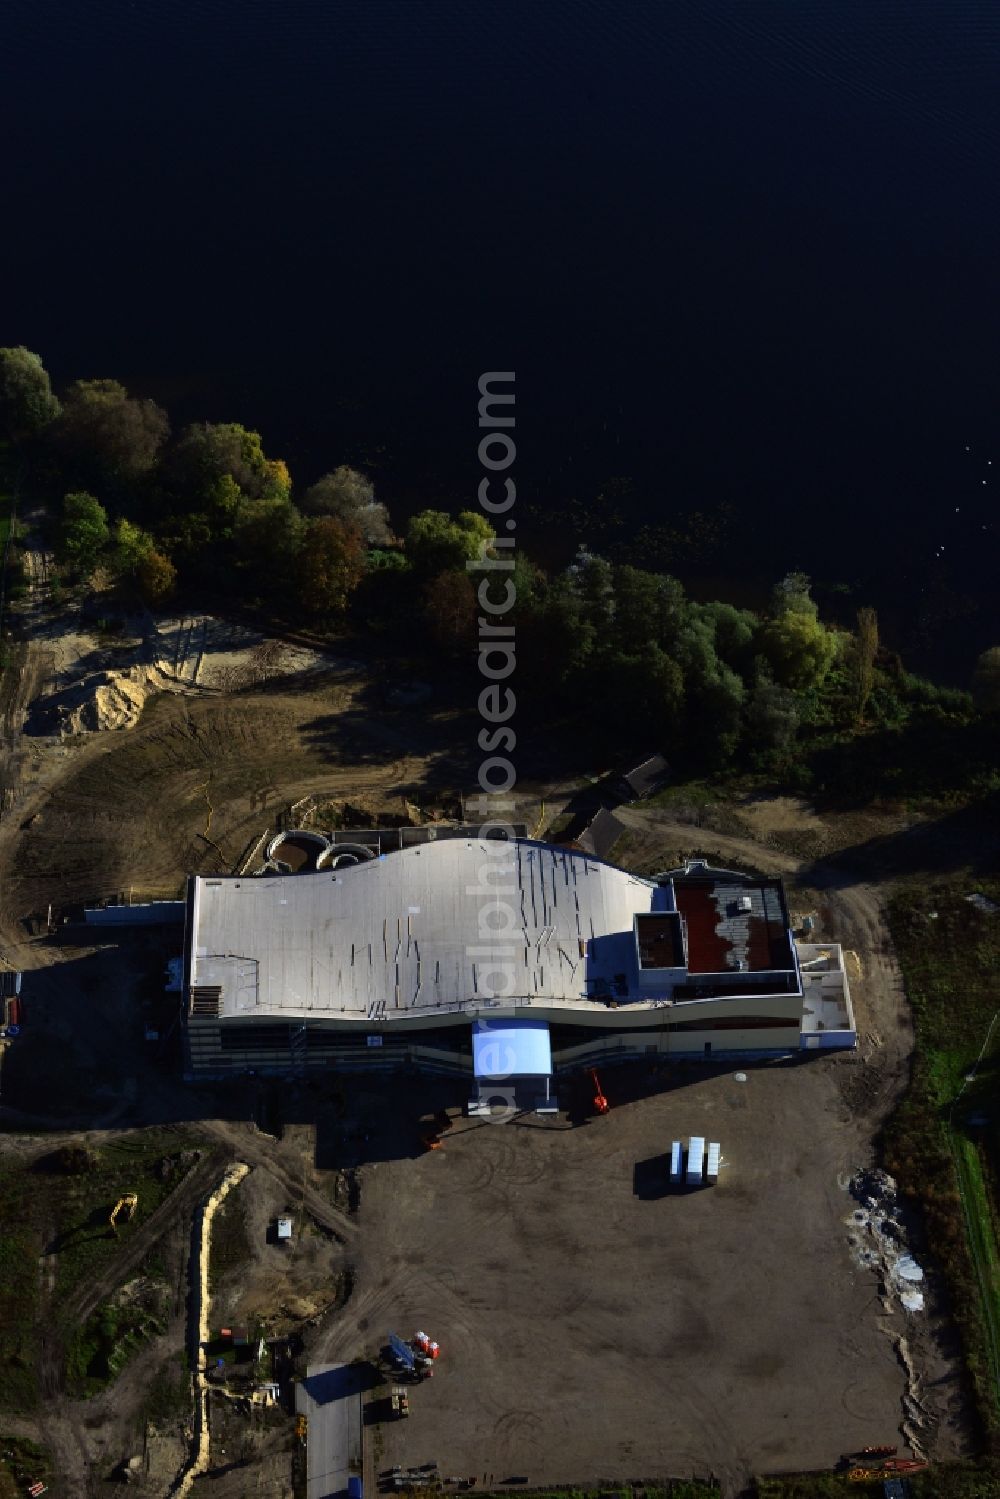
[(719, 933)]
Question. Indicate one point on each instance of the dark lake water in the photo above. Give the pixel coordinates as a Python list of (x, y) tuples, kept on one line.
[(738, 251)]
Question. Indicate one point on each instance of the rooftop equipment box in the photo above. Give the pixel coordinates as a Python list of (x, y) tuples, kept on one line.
[(696, 1160), (676, 1163), (712, 1165)]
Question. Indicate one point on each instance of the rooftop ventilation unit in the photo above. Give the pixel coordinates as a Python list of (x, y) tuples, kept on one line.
[(745, 903)]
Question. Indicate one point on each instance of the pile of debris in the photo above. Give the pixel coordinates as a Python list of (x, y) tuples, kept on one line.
[(878, 1239)]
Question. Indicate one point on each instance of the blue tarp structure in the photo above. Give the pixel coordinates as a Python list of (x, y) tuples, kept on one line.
[(402, 1351), (511, 1048)]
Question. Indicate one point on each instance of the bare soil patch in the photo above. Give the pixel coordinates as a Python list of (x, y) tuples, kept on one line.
[(278, 1285), (767, 815), (595, 1325), (198, 781)]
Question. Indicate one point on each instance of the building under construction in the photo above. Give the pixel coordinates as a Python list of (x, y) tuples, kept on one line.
[(498, 961)]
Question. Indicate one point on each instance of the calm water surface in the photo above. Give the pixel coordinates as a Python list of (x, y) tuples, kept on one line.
[(736, 250)]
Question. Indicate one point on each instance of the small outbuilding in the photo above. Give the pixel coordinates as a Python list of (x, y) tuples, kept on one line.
[(284, 1230)]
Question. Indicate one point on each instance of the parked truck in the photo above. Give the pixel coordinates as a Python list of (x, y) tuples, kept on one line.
[(695, 1160)]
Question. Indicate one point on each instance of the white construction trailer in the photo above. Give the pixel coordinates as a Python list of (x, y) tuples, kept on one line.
[(676, 1163), (712, 1164), (695, 1160)]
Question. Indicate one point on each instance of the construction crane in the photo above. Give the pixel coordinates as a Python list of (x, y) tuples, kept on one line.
[(127, 1205), (601, 1104)]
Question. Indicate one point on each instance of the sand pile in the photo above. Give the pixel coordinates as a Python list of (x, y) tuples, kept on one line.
[(102, 700)]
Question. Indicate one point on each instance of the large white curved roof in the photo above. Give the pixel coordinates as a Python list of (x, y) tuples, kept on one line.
[(417, 931)]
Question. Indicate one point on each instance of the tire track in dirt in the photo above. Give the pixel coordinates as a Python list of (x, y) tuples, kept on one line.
[(258, 1151)]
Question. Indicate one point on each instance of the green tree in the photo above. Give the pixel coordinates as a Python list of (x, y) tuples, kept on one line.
[(27, 404), (132, 545), (714, 714), (388, 596), (83, 532), (733, 632), (209, 459), (268, 539), (986, 680), (649, 608), (437, 542), (772, 718), (190, 538), (332, 564), (387, 560), (694, 649), (108, 435), (798, 648), (350, 496), (647, 688), (792, 596), (555, 639), (593, 580)]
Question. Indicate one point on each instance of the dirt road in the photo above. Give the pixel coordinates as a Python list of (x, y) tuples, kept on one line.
[(260, 1150)]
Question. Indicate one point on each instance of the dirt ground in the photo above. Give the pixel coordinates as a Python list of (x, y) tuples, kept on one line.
[(282, 1286), (597, 1326), (226, 740)]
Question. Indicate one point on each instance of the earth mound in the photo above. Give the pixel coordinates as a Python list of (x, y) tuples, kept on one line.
[(101, 701)]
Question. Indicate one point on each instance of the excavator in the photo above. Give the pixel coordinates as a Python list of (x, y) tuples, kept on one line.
[(126, 1205), (601, 1104)]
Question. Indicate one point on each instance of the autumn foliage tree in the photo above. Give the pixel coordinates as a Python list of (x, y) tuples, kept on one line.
[(156, 576), (349, 495), (332, 563), (207, 453), (449, 602), (437, 542)]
